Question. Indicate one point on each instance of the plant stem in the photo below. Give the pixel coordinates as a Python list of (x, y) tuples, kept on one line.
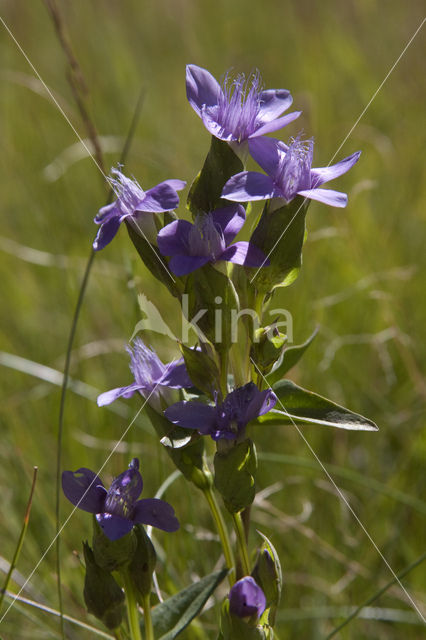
[(149, 629), (132, 607), (242, 542), (21, 539), (222, 531)]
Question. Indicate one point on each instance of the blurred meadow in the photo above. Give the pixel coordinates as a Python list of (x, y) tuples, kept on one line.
[(362, 283)]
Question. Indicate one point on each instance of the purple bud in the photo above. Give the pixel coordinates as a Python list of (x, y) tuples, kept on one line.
[(246, 598)]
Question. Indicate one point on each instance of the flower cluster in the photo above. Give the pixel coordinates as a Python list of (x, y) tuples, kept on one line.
[(220, 387)]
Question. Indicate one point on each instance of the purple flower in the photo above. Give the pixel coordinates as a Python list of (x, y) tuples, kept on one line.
[(149, 374), (246, 598), (239, 110), (118, 509), (208, 240), (290, 173), (226, 420), (132, 200)]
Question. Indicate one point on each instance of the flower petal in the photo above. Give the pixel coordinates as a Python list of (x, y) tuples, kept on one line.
[(261, 403), (320, 175), (176, 376), (230, 220), (84, 489), (182, 265), (201, 88), (106, 233), (273, 102), (267, 152), (156, 513), (245, 253), (274, 125), (328, 196), (250, 185), (162, 197), (192, 415), (106, 212), (114, 527), (177, 185), (120, 392), (173, 238), (246, 598)]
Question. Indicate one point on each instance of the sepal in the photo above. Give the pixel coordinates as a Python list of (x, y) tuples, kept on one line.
[(268, 575), (142, 564), (111, 555), (235, 472), (234, 628), (102, 595)]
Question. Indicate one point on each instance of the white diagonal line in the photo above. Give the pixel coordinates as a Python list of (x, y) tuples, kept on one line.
[(73, 128), (349, 133), (344, 499), (76, 506)]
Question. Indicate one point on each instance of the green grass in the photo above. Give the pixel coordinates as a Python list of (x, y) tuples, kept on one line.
[(361, 282)]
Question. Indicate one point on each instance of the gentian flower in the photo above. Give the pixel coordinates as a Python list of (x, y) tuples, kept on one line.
[(226, 420), (131, 201), (118, 508), (246, 598), (290, 173), (151, 376), (208, 240), (237, 110)]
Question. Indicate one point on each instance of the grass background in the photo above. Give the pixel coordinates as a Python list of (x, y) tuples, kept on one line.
[(362, 282)]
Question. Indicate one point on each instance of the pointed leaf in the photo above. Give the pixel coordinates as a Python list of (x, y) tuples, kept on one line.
[(296, 404), (173, 615), (221, 163), (280, 235), (154, 262), (289, 359)]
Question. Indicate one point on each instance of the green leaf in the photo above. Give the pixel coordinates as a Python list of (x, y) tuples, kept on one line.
[(301, 406), (221, 164), (173, 615), (280, 235), (235, 471), (155, 262), (203, 367), (290, 357), (215, 320)]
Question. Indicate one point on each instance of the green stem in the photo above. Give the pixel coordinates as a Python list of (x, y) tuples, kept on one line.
[(149, 629), (132, 607), (222, 531), (21, 539), (242, 542)]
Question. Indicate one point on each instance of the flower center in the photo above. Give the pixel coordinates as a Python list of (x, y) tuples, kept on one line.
[(238, 107), (124, 491), (205, 238), (294, 168), (129, 193)]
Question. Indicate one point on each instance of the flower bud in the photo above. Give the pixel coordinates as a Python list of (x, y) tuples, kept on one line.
[(102, 595)]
